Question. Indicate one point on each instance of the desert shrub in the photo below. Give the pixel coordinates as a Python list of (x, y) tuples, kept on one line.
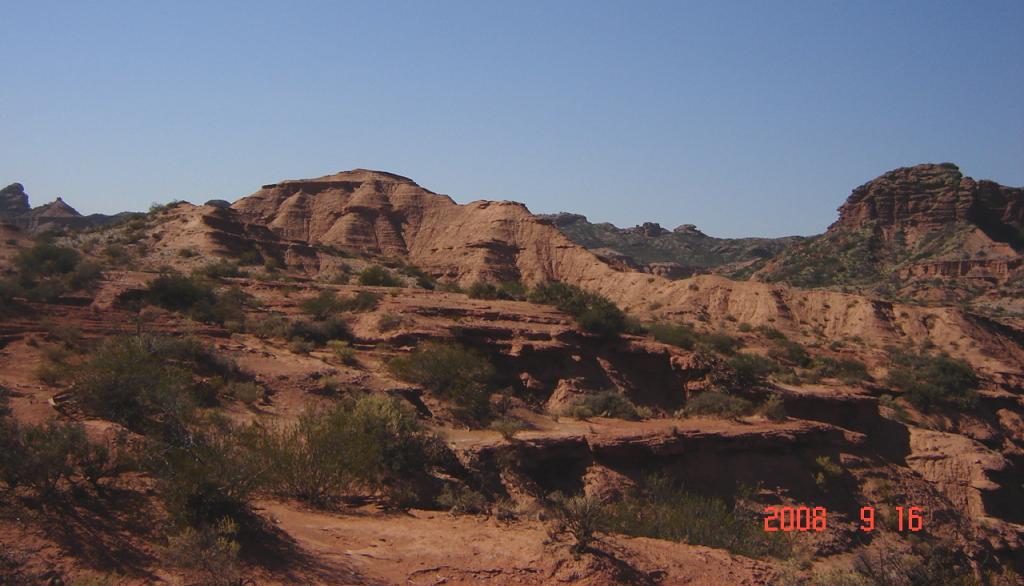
[(389, 321), (482, 290), (664, 509), (745, 327), (363, 301), (319, 332), (46, 259), (789, 352), (423, 280), (46, 271), (593, 312), (719, 342), (247, 392), (508, 427), (374, 442), (205, 476), (179, 293), (848, 370), (378, 276), (512, 290), (773, 409), (771, 333), (343, 351), (580, 516), (187, 253), (603, 404), (250, 258), (300, 346), (211, 551), (716, 404), (125, 381), (452, 372), (41, 456), (219, 269), (751, 369), (322, 305), (933, 382), (462, 500), (682, 336), (826, 470)]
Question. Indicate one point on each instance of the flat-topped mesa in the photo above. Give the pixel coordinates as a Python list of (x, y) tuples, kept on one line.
[(929, 196)]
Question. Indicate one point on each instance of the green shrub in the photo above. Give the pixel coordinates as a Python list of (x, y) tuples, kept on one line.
[(580, 516), (343, 351), (322, 305), (789, 352), (40, 457), (319, 332), (676, 335), (374, 442), (719, 342), (716, 404), (46, 259), (593, 312), (127, 382), (462, 500), (773, 409), (751, 369), (211, 551), (771, 333), (848, 370), (451, 372), (249, 393), (219, 269), (933, 382), (363, 301), (508, 427), (423, 280), (207, 475), (389, 321), (482, 290), (665, 510), (603, 404), (179, 293), (378, 276)]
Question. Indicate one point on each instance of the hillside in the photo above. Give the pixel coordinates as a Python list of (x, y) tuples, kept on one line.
[(927, 233), (354, 379)]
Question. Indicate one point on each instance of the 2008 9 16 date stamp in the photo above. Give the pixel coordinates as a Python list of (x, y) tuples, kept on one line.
[(816, 519)]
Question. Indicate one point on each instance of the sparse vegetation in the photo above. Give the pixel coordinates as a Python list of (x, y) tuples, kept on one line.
[(506, 291), (593, 312), (773, 409), (508, 428), (789, 352), (751, 369), (462, 500), (373, 442), (607, 403), (580, 516), (378, 276), (452, 372), (931, 382), (718, 404), (664, 509)]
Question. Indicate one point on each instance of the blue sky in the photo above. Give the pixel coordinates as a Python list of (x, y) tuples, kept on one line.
[(745, 118)]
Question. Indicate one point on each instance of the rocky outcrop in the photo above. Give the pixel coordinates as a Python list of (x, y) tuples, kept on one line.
[(13, 201), (15, 210), (910, 226)]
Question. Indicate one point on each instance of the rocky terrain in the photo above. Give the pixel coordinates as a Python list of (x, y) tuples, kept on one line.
[(355, 380), (15, 210), (682, 252)]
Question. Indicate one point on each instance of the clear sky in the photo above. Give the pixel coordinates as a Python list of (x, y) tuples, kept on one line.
[(745, 118)]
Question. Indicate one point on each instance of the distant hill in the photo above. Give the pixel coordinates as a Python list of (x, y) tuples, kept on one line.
[(15, 210), (678, 253)]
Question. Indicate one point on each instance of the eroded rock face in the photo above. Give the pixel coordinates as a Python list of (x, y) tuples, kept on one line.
[(931, 195)]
